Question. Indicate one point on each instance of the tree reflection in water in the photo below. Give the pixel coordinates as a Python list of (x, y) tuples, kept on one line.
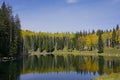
[(9, 70), (80, 64), (83, 65), (101, 65)]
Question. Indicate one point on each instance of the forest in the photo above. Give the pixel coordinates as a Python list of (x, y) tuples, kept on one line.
[(14, 41), (80, 41), (10, 32)]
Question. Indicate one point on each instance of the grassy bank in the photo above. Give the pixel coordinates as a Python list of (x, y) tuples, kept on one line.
[(107, 52), (112, 76)]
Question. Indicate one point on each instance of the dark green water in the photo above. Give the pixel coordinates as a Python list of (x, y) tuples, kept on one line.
[(58, 68)]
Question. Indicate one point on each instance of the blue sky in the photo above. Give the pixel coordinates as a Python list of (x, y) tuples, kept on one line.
[(66, 15)]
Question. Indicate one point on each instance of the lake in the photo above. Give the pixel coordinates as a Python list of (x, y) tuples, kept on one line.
[(55, 67)]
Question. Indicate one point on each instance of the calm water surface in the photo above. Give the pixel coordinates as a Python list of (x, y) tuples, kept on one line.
[(59, 68)]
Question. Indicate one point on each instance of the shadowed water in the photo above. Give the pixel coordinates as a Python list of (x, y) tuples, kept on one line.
[(52, 67)]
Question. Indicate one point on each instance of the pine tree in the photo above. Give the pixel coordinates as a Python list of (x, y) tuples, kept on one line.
[(100, 42), (113, 38), (4, 22), (117, 35), (117, 27), (9, 32)]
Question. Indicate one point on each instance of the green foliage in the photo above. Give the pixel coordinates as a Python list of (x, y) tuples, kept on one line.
[(113, 38), (70, 45), (41, 44), (12, 43), (80, 41), (10, 33), (59, 44), (49, 45), (100, 42)]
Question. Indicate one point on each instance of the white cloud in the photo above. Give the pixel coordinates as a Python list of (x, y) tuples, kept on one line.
[(71, 1)]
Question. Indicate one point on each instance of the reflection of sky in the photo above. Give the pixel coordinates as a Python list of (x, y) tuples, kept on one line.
[(59, 76), (66, 15)]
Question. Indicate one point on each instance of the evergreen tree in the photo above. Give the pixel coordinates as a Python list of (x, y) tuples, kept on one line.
[(18, 35), (41, 43), (100, 42), (70, 45), (4, 30), (117, 27), (117, 35), (113, 38), (93, 31), (10, 33)]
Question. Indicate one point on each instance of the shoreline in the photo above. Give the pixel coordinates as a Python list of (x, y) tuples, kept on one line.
[(82, 53), (110, 52), (5, 59), (112, 76)]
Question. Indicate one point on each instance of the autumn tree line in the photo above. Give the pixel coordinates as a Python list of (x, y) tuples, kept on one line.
[(14, 41), (80, 41), (10, 32)]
